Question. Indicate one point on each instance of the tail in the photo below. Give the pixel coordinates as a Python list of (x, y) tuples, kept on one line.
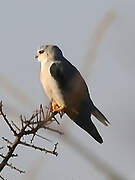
[(100, 116), (90, 128), (83, 120)]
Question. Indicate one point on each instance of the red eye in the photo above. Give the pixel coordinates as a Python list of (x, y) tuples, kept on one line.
[(41, 51)]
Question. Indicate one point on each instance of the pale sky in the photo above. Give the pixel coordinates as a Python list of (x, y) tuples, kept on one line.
[(25, 25)]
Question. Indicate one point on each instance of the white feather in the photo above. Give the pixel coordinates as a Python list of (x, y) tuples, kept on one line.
[(49, 83)]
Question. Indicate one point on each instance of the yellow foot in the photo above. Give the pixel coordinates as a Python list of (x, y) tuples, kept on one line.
[(56, 107)]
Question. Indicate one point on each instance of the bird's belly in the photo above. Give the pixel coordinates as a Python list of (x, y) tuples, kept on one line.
[(51, 88)]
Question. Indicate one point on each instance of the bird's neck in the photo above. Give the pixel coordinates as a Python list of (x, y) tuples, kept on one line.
[(46, 63), (43, 62)]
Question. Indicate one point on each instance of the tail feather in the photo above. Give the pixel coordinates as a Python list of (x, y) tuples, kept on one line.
[(100, 116), (90, 128), (83, 119)]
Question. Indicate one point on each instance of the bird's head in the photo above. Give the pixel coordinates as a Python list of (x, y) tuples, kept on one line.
[(48, 52)]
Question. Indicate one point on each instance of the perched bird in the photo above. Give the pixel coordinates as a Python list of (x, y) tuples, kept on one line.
[(67, 90)]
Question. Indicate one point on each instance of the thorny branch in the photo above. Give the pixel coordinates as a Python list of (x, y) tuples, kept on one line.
[(30, 126), (11, 166)]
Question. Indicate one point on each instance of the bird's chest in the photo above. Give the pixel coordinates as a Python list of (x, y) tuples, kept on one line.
[(50, 84)]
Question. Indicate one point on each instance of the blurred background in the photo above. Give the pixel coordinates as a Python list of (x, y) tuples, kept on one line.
[(98, 37)]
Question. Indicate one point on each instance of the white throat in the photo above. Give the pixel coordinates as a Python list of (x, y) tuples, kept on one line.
[(43, 62)]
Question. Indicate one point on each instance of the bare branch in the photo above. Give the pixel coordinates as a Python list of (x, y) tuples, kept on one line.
[(13, 167), (9, 154), (28, 127)]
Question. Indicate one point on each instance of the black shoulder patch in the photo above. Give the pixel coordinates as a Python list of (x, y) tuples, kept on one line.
[(63, 72)]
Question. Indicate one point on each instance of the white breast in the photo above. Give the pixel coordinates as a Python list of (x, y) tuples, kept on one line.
[(49, 83)]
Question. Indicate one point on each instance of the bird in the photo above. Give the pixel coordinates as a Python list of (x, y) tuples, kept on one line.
[(67, 90)]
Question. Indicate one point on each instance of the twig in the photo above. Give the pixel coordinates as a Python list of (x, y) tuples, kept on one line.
[(55, 147), (40, 149), (22, 121), (56, 120), (2, 178), (4, 116), (14, 155), (13, 167), (7, 141), (15, 126), (2, 156)]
